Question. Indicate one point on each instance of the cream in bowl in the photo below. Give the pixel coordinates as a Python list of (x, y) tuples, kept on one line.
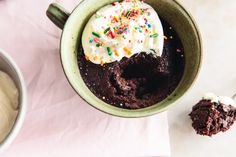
[(12, 100), (9, 97)]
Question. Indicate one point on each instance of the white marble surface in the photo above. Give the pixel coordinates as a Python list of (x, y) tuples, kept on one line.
[(217, 22)]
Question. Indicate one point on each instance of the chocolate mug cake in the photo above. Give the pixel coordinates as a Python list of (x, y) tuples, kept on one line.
[(130, 58)]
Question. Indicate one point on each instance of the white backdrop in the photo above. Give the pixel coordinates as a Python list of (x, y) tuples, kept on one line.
[(217, 22)]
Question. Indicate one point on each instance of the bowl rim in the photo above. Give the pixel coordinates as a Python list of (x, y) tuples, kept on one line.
[(133, 113), (22, 104)]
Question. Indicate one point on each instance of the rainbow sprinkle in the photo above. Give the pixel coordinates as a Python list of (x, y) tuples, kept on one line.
[(111, 34), (90, 40), (106, 30), (96, 40), (115, 19), (149, 25), (95, 58), (98, 45), (96, 34), (154, 35), (102, 63), (97, 16), (128, 14), (87, 57), (116, 53), (109, 51), (127, 50)]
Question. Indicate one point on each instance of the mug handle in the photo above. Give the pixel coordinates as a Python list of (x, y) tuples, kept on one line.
[(57, 14)]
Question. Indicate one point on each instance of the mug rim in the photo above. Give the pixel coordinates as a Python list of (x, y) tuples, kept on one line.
[(155, 110)]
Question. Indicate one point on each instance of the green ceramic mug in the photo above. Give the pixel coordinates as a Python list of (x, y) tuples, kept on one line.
[(73, 24)]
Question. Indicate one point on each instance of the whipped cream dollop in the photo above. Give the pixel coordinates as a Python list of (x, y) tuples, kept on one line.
[(8, 104), (222, 99), (122, 29)]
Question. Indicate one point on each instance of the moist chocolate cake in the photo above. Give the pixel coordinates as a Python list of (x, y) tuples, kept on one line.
[(210, 118), (139, 81)]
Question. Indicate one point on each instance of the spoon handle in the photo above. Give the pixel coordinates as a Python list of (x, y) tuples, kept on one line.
[(234, 97)]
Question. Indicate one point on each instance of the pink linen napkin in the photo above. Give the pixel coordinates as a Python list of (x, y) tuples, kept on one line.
[(58, 122)]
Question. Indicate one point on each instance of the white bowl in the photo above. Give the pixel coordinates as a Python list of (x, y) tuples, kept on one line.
[(9, 66)]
